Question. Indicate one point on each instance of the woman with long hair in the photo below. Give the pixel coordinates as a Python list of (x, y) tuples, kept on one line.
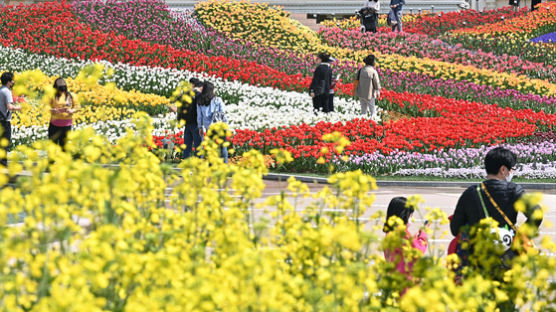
[(62, 108), (398, 236), (210, 109)]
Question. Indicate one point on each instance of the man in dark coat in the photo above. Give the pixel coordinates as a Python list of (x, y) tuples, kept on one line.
[(188, 114), (320, 85)]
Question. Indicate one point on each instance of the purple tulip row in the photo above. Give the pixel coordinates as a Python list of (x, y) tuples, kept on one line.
[(546, 38), (525, 171), (377, 163)]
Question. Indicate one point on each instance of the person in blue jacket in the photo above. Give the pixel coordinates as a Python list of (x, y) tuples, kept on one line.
[(395, 14), (210, 109)]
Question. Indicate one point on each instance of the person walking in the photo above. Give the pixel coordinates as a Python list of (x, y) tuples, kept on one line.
[(321, 83), (62, 108), (210, 109), (395, 14), (188, 114), (7, 106), (368, 86)]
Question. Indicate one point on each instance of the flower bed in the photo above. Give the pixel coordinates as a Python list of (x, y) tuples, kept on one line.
[(512, 36), (100, 238), (434, 123), (422, 46), (398, 162), (546, 38)]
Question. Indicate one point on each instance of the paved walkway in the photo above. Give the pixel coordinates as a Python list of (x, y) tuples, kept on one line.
[(444, 198)]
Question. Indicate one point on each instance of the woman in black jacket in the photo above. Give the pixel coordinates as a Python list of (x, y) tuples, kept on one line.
[(320, 85)]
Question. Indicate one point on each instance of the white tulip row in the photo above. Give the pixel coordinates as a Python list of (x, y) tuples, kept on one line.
[(248, 107), (112, 129)]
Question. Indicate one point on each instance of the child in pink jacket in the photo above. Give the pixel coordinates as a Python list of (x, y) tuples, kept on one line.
[(404, 261)]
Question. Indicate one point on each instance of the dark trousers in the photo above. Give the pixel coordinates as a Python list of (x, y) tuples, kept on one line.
[(320, 103), (191, 138), (6, 134), (58, 135), (398, 17), (330, 103)]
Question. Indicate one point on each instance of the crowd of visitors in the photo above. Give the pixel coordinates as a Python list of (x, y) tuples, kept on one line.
[(205, 109)]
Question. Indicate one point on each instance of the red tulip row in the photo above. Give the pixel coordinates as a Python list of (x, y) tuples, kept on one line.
[(50, 28), (456, 124), (434, 24)]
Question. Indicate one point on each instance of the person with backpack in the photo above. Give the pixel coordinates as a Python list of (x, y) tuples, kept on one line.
[(495, 198), (321, 84), (210, 109), (7, 106), (367, 85)]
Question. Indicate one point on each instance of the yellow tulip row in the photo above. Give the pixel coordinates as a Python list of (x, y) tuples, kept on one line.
[(256, 22), (98, 102), (445, 70)]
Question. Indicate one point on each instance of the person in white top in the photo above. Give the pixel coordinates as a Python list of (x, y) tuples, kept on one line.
[(369, 14), (6, 107)]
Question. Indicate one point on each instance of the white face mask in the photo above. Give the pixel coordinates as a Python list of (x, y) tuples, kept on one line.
[(510, 176)]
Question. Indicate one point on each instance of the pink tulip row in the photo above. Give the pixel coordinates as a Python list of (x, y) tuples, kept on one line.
[(426, 47)]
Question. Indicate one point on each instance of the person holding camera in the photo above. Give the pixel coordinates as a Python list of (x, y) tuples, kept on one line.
[(395, 15), (62, 108)]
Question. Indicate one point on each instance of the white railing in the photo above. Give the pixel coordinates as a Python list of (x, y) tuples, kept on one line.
[(334, 7)]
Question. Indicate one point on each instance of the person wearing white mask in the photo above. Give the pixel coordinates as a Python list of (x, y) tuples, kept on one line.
[(495, 198)]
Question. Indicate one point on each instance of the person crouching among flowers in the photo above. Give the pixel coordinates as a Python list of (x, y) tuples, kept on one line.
[(62, 108)]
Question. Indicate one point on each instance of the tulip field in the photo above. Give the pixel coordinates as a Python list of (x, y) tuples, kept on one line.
[(105, 224), (442, 89)]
